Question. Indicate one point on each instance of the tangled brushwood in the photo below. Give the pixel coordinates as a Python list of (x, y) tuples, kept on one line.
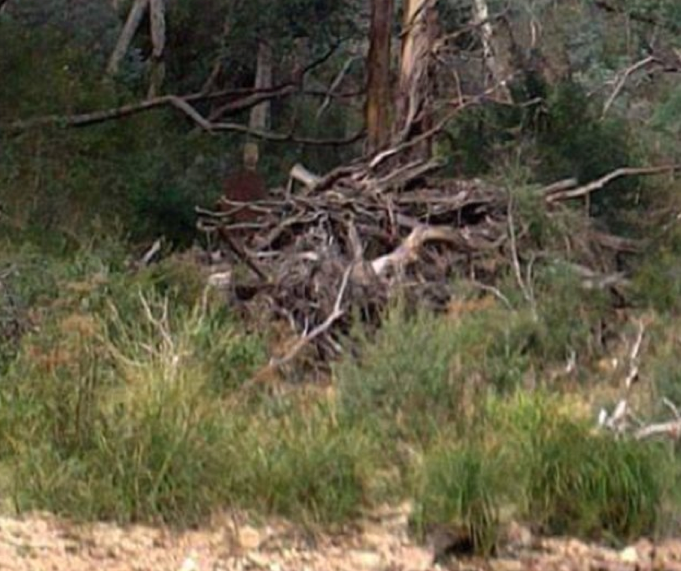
[(327, 250)]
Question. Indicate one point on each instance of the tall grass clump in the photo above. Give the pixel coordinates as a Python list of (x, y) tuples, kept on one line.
[(463, 489), (403, 379), (111, 405), (118, 419), (576, 480), (594, 486), (420, 370), (534, 458), (303, 466), (122, 403)]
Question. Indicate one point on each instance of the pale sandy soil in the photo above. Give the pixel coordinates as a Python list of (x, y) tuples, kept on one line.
[(41, 542)]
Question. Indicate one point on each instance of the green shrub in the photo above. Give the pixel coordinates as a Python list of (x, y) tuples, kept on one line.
[(657, 281), (567, 478), (111, 414), (420, 372), (404, 379), (117, 407), (574, 480)]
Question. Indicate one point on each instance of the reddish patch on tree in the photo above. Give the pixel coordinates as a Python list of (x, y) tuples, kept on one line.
[(241, 189)]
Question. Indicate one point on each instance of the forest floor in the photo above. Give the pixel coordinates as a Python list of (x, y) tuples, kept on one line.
[(41, 542)]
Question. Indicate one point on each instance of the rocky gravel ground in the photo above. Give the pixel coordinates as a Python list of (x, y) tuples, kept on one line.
[(41, 542)]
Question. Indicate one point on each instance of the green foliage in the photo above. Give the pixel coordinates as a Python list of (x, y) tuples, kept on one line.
[(563, 137), (404, 376), (141, 170), (411, 378), (532, 457), (573, 142), (109, 408), (463, 488), (118, 407), (657, 281), (304, 466), (123, 403), (420, 370), (592, 486), (577, 481)]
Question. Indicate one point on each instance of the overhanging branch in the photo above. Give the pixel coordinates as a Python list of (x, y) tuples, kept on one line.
[(249, 97), (181, 104), (564, 192)]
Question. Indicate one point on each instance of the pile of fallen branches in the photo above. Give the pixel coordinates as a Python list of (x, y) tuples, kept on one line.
[(341, 246)]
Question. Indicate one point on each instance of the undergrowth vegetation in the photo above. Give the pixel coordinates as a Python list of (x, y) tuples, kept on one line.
[(124, 391), (123, 398)]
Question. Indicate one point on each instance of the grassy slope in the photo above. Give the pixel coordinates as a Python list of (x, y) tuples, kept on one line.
[(123, 402)]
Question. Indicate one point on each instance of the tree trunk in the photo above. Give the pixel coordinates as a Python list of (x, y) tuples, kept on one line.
[(260, 114), (157, 10), (420, 22), (379, 96), (497, 56), (125, 39)]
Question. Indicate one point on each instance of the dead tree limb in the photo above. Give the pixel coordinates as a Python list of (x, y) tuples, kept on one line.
[(407, 252), (335, 84), (304, 176), (157, 12), (133, 22), (621, 82), (182, 104), (276, 363), (598, 184), (246, 98), (306, 339)]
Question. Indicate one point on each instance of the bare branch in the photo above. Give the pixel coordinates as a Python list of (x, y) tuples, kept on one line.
[(182, 104), (277, 362), (246, 99), (408, 251), (623, 80), (336, 314), (132, 23), (334, 85), (671, 429), (598, 184)]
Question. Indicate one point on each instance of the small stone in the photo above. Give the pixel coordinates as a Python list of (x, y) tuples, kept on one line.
[(249, 538), (415, 559), (189, 564), (258, 560), (365, 559), (629, 555), (507, 565), (519, 536)]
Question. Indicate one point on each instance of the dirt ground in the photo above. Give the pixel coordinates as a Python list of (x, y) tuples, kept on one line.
[(41, 542)]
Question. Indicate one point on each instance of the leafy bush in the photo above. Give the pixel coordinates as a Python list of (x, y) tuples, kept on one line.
[(657, 283)]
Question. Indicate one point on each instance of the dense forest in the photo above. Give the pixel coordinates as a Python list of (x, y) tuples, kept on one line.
[(304, 258)]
